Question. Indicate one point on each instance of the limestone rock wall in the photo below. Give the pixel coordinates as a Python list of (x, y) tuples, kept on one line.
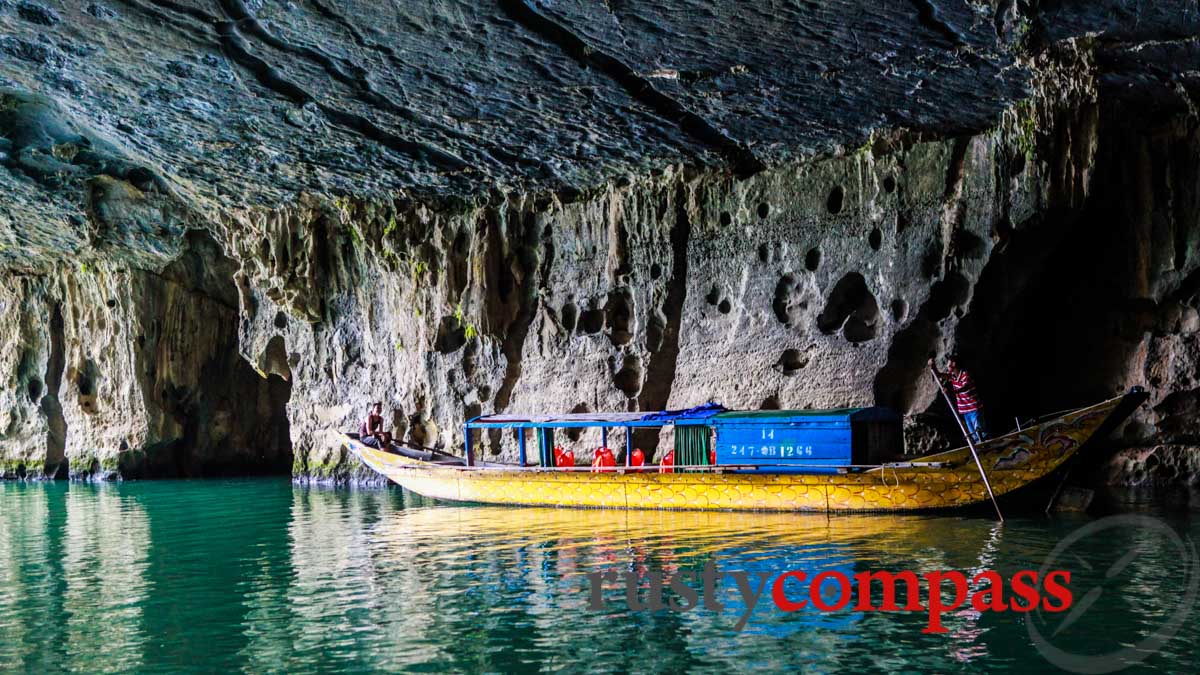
[(229, 226), (817, 284), (130, 373)]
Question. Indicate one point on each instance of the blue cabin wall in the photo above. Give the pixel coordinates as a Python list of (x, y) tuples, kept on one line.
[(798, 441), (802, 447)]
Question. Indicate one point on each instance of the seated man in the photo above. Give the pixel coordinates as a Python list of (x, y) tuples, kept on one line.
[(371, 431)]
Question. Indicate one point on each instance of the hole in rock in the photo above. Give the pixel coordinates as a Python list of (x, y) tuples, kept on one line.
[(812, 259), (851, 307), (34, 389), (655, 271), (764, 210), (792, 360), (87, 382), (786, 305), (470, 361), (569, 316), (770, 403), (629, 378), (899, 309), (274, 360), (724, 307), (1003, 228), (280, 320), (714, 296), (726, 219), (87, 379), (619, 310), (889, 184), (592, 321), (576, 433), (1017, 166), (833, 203), (111, 304), (142, 179), (764, 252), (945, 295), (451, 335), (88, 404), (903, 222), (875, 239)]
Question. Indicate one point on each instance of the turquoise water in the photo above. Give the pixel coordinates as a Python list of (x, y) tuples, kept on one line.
[(260, 575)]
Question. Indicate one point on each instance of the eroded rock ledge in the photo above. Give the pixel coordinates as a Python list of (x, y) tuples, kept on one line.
[(229, 225)]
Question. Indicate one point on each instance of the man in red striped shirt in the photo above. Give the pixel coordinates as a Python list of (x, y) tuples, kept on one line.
[(964, 397)]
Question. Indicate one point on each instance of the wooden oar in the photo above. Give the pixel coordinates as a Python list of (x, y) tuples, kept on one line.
[(970, 443)]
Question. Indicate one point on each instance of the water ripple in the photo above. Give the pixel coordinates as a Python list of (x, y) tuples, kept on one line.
[(263, 576)]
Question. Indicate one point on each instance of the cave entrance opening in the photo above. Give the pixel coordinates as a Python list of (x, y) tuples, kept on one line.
[(1060, 318), (215, 412)]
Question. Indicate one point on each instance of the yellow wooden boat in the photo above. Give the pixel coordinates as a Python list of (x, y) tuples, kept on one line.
[(747, 481)]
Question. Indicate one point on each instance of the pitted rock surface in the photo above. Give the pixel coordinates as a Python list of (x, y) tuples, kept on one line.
[(229, 225)]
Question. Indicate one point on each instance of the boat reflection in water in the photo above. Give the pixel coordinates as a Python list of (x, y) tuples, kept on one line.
[(524, 571), (261, 575)]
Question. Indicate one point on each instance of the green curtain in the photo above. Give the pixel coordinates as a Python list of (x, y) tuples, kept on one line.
[(692, 444), (545, 439)]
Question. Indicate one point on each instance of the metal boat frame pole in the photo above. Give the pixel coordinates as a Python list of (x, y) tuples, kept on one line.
[(970, 443)]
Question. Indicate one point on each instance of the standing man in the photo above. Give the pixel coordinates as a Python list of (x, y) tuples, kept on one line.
[(964, 397)]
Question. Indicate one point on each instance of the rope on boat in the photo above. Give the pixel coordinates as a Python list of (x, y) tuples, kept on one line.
[(883, 476)]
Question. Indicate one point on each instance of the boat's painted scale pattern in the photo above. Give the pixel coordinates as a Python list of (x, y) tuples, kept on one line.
[(1012, 461)]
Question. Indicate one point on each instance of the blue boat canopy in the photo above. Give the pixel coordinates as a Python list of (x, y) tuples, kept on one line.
[(696, 415), (782, 441)]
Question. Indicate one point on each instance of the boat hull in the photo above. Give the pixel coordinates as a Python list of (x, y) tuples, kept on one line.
[(1012, 461)]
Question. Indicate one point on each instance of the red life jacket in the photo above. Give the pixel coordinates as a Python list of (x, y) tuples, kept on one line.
[(565, 458), (604, 460), (667, 464), (712, 456), (637, 458)]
